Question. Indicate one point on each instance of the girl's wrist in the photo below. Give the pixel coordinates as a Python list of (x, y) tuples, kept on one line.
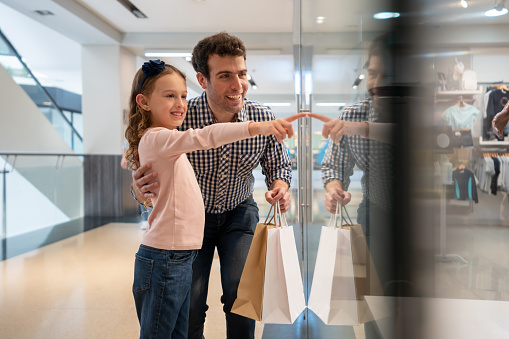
[(366, 129), (253, 128)]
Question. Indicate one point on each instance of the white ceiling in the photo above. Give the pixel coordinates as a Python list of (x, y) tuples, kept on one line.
[(267, 27)]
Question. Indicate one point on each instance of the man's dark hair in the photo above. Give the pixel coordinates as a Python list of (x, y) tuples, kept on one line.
[(379, 47), (221, 44)]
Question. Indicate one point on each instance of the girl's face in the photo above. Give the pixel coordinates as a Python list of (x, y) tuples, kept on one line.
[(167, 103)]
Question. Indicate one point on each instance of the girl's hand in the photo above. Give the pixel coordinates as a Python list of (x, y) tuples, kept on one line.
[(280, 128)]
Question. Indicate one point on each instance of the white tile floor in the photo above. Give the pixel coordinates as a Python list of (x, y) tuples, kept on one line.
[(80, 287)]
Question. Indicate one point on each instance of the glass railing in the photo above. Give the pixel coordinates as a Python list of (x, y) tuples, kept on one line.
[(13, 63), (38, 192)]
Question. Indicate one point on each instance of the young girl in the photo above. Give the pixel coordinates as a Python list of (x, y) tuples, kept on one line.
[(163, 265)]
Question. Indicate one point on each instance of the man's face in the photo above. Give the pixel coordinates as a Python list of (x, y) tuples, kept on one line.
[(375, 77), (227, 86)]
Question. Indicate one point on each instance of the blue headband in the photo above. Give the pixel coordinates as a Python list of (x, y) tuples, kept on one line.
[(151, 68)]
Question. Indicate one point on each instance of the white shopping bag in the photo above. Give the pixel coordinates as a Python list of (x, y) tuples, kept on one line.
[(343, 275), (283, 292)]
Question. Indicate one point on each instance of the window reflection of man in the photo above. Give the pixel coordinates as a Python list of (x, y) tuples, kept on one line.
[(361, 146), (366, 143)]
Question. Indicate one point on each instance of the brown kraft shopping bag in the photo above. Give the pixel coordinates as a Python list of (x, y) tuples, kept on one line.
[(249, 300)]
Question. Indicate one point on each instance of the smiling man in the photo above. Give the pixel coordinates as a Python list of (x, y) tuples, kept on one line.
[(225, 176)]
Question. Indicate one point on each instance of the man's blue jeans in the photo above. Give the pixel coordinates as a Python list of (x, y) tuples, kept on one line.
[(161, 289), (231, 232)]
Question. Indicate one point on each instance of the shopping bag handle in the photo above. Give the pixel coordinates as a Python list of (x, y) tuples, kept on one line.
[(333, 221), (347, 222), (280, 216), (267, 220)]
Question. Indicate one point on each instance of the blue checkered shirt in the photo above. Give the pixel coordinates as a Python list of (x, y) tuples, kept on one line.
[(225, 174), (373, 157)]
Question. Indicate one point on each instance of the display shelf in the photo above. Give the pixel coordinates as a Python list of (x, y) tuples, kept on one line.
[(493, 142)]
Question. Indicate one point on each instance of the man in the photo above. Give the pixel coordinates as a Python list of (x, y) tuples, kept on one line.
[(359, 138), (226, 177)]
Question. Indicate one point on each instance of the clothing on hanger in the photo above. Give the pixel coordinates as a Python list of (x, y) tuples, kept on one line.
[(465, 185), (460, 117)]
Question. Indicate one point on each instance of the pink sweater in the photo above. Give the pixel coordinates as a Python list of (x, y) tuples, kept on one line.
[(178, 216)]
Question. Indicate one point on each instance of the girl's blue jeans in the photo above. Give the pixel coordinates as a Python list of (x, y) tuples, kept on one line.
[(161, 289)]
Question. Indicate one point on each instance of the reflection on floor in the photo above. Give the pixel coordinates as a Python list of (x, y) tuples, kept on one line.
[(485, 274), (477, 242)]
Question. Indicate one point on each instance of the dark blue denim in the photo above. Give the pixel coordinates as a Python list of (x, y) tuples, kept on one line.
[(161, 289), (231, 232)]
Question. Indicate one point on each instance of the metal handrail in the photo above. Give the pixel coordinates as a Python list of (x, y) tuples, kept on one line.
[(11, 47)]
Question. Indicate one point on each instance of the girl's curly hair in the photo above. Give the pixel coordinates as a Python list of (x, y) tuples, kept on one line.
[(139, 119)]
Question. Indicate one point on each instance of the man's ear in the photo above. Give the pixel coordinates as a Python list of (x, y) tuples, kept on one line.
[(141, 100), (202, 80)]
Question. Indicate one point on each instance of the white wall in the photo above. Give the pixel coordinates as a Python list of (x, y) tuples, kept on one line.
[(491, 64), (106, 73), (128, 68)]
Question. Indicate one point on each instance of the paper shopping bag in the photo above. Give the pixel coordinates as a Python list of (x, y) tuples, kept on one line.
[(250, 291), (344, 274), (283, 292)]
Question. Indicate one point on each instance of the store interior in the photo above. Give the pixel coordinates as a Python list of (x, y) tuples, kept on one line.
[(454, 196)]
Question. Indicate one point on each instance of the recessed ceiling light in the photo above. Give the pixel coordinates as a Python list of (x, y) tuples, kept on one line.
[(386, 15), (133, 9), (44, 12), (498, 10), (320, 19), (494, 12), (464, 3)]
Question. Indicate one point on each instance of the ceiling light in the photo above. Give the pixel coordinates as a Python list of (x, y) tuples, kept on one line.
[(167, 54), (44, 12), (498, 10), (357, 81), (464, 3), (320, 19), (252, 82), (386, 15), (494, 12), (133, 9)]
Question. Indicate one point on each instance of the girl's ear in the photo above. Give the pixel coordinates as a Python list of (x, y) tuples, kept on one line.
[(141, 100)]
